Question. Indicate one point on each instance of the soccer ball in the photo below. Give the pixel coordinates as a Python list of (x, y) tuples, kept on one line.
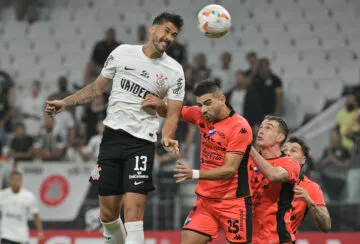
[(214, 21)]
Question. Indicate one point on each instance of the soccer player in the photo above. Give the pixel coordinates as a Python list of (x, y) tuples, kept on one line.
[(273, 177), (223, 194), (126, 156), (16, 204), (308, 194)]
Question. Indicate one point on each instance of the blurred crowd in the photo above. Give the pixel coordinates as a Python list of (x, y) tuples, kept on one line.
[(27, 134)]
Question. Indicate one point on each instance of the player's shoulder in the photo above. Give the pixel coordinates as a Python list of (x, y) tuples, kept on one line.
[(27, 193), (310, 184), (175, 65), (284, 159), (238, 122), (193, 110), (125, 48)]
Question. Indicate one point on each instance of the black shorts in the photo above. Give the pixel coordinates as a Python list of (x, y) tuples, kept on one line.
[(5, 241), (125, 164)]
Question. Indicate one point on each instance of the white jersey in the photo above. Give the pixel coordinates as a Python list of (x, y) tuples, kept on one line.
[(134, 76), (15, 209)]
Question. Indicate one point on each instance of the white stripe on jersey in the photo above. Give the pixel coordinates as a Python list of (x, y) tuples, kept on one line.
[(134, 76)]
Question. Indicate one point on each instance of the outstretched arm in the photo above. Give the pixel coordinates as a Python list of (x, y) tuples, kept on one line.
[(84, 96)]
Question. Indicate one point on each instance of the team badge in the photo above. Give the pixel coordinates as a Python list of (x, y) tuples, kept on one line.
[(187, 221), (95, 173), (212, 132), (160, 81)]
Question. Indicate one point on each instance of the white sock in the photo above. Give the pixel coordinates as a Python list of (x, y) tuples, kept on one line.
[(114, 232), (135, 232)]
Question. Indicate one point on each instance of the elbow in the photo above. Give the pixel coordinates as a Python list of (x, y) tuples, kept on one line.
[(229, 173), (326, 229)]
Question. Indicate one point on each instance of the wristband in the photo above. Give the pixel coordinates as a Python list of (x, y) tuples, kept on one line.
[(195, 174)]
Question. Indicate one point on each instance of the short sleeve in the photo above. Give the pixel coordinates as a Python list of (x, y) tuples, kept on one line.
[(240, 139), (292, 167), (33, 206), (177, 90), (109, 68), (317, 195), (190, 114)]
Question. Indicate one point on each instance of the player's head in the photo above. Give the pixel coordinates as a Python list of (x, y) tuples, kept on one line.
[(20, 130), (210, 99), (164, 30), (252, 58), (15, 181), (226, 57), (272, 131), (297, 149)]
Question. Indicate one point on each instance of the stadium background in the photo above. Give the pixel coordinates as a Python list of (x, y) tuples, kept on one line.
[(312, 45)]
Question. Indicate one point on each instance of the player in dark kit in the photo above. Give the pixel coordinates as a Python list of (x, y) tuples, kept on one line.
[(308, 194), (126, 157), (273, 177)]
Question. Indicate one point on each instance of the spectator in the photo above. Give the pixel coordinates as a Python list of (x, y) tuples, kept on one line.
[(225, 73), (352, 132), (72, 153), (32, 110), (65, 126), (7, 84), (178, 52), (334, 166), (253, 61), (5, 115), (94, 112), (142, 34), (245, 100), (100, 52), (91, 151), (21, 148), (345, 116), (270, 88), (27, 9), (49, 146), (63, 90), (201, 72)]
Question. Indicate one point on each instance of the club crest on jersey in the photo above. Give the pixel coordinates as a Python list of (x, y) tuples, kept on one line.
[(95, 173), (212, 132), (187, 221), (160, 81), (256, 170)]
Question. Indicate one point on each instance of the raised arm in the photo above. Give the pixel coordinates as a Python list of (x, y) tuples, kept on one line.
[(273, 174), (83, 96)]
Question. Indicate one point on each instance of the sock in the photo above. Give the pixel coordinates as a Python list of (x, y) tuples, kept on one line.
[(135, 232), (114, 232)]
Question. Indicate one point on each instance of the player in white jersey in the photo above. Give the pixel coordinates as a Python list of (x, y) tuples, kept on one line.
[(126, 156), (16, 204)]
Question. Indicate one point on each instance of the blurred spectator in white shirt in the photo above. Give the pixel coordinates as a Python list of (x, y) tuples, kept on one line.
[(225, 72)]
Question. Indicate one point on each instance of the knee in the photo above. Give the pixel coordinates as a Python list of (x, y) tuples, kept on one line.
[(134, 212), (108, 215)]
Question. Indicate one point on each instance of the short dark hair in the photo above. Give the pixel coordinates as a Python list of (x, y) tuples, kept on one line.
[(304, 148), (251, 54), (265, 60), (206, 87), (282, 125), (176, 19), (37, 83)]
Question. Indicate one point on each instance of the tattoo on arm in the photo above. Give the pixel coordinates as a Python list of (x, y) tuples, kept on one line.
[(85, 95), (321, 217)]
